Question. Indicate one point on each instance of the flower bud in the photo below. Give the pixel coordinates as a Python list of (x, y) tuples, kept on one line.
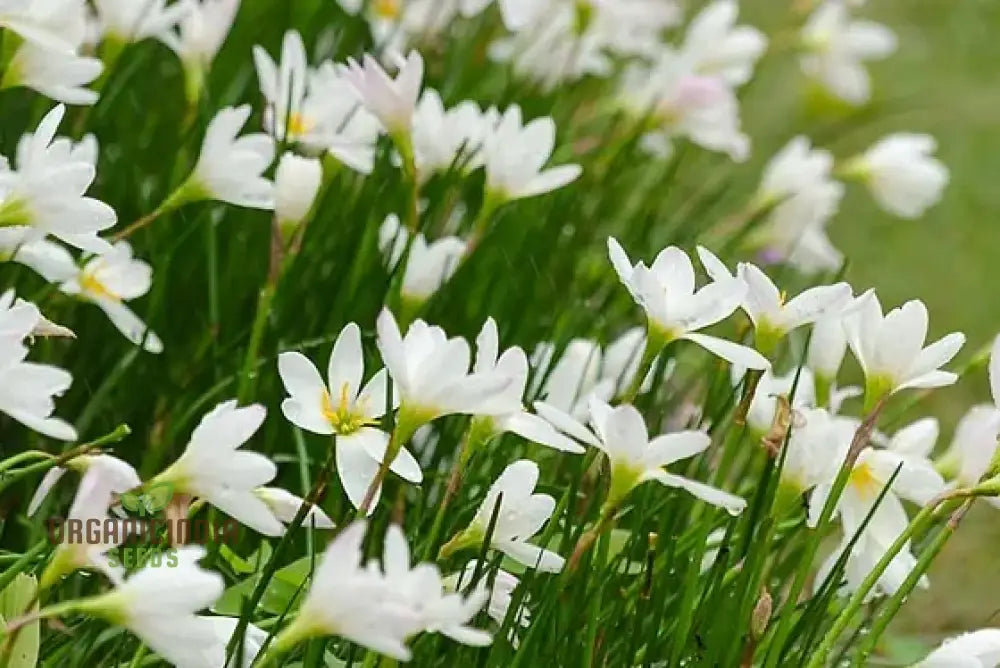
[(296, 184)]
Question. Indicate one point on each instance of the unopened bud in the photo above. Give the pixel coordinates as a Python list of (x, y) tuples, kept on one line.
[(761, 615)]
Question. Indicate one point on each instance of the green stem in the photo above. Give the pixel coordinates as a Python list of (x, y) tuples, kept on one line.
[(655, 343), (247, 375), (454, 482), (594, 613), (23, 456)]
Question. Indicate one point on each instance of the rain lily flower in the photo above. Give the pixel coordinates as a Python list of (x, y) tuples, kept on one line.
[(93, 498), (513, 364), (837, 47), (515, 155), (108, 281), (230, 168), (443, 139), (126, 21), (353, 602), (431, 373), (48, 259), (296, 185), (428, 266), (42, 22), (764, 407), (285, 507), (977, 649), (620, 433), (423, 591), (45, 193), (198, 37), (391, 101), (213, 468), (797, 197), (676, 310), (348, 410), (890, 348), (772, 314), (501, 597), (27, 388), (720, 47), (973, 447), (814, 452), (118, 475), (825, 354), (902, 173), (520, 516)]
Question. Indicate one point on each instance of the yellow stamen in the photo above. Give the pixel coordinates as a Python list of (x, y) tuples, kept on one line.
[(864, 480), (92, 285), (387, 9), (345, 418), (298, 124)]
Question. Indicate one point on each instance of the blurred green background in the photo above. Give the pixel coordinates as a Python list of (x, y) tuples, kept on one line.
[(942, 80)]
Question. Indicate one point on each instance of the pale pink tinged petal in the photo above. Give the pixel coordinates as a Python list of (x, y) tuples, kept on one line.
[(669, 448), (357, 469), (734, 505), (49, 481), (566, 424), (734, 353), (346, 366)]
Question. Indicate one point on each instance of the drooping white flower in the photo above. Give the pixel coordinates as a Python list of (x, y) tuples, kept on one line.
[(974, 445), (315, 108), (27, 388), (198, 37), (354, 602), (119, 475), (676, 310), (501, 597), (718, 46), (446, 138), (515, 155), (60, 75), (815, 449), (837, 48), (513, 364), (230, 168), (423, 591), (296, 184), (285, 506), (108, 281), (772, 314), (764, 405), (431, 373), (799, 196), (520, 516), (127, 21), (213, 468), (902, 173), (428, 266), (620, 433), (976, 649), (345, 408), (391, 101), (45, 193), (48, 259), (891, 348), (679, 102)]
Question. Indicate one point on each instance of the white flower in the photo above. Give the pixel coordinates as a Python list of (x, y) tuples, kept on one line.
[(719, 47), (392, 101), (764, 405), (520, 516), (682, 103), (315, 108), (58, 75), (49, 259), (42, 22), (296, 184), (513, 364), (120, 476), (902, 173), (46, 191), (431, 373), (974, 445), (128, 21), (799, 197), (676, 310), (108, 281), (212, 467), (836, 48), (501, 597), (515, 155), (827, 346), (620, 433), (27, 388), (230, 168), (93, 498), (423, 591), (353, 602), (816, 447), (890, 348), (198, 38), (285, 506), (772, 314), (443, 139), (428, 266), (344, 408), (977, 649)]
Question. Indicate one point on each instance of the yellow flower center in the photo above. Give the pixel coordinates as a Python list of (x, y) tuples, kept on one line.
[(298, 124), (343, 417), (387, 9), (864, 481), (91, 284)]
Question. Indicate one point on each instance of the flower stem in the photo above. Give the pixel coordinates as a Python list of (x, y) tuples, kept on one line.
[(247, 375), (454, 482), (396, 442), (587, 540)]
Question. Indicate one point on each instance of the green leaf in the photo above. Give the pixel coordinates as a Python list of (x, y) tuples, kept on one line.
[(278, 595), (14, 602)]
